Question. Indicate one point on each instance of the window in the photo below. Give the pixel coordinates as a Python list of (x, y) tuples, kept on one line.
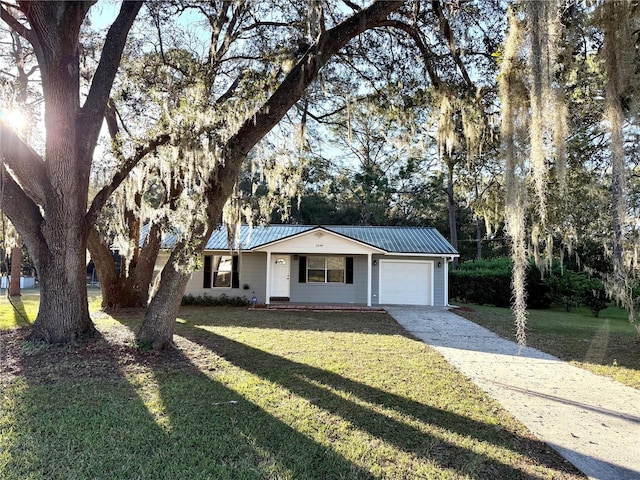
[(326, 269), (221, 271)]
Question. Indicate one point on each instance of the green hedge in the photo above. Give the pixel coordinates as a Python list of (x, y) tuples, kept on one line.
[(219, 301), (488, 282)]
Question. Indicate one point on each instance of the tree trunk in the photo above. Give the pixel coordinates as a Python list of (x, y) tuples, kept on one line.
[(46, 198), (157, 329), (128, 288), (478, 238), (16, 267), (64, 313)]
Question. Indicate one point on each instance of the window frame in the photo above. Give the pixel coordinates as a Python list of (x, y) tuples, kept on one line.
[(326, 270), (210, 272)]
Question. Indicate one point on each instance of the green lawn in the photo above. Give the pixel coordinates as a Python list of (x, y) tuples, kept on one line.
[(18, 311), (255, 395), (22, 311), (607, 345)]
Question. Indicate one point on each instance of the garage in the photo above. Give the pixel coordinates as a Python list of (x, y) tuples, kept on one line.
[(406, 282)]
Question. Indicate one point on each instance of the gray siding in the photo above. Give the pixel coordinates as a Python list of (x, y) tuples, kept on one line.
[(438, 283), (252, 273), (331, 292)]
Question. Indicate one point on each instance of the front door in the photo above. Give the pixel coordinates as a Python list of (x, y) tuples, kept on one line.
[(280, 270)]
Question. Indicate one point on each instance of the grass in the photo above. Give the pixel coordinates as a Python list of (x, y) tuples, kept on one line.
[(21, 311), (607, 345), (18, 311), (255, 395)]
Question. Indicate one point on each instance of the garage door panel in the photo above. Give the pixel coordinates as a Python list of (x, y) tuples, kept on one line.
[(405, 282)]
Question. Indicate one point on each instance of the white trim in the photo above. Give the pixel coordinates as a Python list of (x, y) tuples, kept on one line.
[(369, 271), (396, 254), (268, 284), (272, 246), (445, 276), (432, 279)]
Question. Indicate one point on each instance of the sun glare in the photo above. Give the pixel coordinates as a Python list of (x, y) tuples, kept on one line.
[(14, 118)]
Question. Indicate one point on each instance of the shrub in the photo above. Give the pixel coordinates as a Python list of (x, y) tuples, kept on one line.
[(482, 282), (488, 282), (571, 289), (221, 300)]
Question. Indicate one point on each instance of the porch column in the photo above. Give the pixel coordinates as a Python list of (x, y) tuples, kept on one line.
[(268, 282), (369, 260), (445, 265)]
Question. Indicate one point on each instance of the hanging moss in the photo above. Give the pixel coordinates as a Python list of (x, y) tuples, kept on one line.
[(620, 59), (514, 111)]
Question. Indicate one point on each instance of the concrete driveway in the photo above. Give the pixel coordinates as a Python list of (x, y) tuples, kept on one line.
[(592, 421)]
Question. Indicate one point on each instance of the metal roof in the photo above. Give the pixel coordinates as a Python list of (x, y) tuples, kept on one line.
[(399, 239), (253, 237), (419, 240)]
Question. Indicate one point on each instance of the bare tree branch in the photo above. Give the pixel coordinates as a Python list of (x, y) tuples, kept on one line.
[(93, 109), (229, 92), (447, 31), (15, 25), (427, 54), (103, 195)]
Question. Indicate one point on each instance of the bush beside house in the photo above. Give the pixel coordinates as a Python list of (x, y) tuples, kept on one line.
[(488, 282)]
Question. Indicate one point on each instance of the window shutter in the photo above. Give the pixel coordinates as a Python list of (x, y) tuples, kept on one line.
[(235, 272), (302, 270), (349, 270), (207, 272)]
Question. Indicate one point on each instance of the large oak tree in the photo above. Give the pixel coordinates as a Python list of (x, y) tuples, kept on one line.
[(46, 196)]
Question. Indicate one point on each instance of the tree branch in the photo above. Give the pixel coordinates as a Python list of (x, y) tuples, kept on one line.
[(25, 165), (305, 71), (21, 210), (15, 25), (103, 195), (229, 92), (447, 31), (427, 54), (93, 110)]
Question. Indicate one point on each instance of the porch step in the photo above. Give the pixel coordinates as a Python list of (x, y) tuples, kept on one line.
[(318, 307)]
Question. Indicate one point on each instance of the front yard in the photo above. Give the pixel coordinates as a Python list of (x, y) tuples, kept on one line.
[(254, 395)]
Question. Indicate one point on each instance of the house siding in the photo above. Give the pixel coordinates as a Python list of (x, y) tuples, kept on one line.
[(330, 292), (252, 267), (252, 273)]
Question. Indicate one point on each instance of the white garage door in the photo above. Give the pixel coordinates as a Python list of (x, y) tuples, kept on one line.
[(404, 282)]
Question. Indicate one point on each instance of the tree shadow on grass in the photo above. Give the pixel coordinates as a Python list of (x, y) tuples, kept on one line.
[(67, 409), (103, 410), (15, 310), (237, 437), (233, 437), (20, 316), (316, 385), (356, 322)]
